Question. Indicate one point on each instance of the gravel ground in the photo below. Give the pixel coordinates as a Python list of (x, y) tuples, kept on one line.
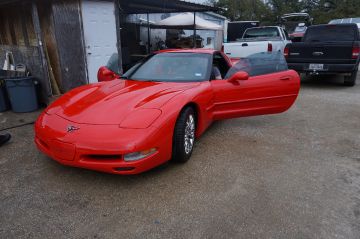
[(293, 175)]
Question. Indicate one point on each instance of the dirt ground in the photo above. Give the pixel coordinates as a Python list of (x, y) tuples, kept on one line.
[(293, 175)]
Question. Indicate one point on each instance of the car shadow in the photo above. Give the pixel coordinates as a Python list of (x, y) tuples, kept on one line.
[(324, 81), (79, 174), (168, 168), (162, 171)]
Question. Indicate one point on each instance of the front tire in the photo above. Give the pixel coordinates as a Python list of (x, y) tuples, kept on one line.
[(350, 80), (184, 136)]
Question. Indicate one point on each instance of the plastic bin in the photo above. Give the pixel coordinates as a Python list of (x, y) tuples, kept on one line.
[(22, 94), (4, 100)]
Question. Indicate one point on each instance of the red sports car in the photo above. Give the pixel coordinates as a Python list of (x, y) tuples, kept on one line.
[(158, 108)]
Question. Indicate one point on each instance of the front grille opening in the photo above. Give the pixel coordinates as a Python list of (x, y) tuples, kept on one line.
[(100, 157), (124, 169)]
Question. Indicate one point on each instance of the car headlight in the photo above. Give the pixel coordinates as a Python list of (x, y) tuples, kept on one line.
[(139, 155)]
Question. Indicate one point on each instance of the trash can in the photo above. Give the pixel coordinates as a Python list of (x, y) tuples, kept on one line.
[(22, 94), (4, 100)]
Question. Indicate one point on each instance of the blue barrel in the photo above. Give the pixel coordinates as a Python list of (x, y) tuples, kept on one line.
[(22, 94), (4, 100)]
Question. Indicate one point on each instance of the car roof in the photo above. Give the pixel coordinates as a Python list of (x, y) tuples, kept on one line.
[(344, 19), (263, 27), (331, 24), (194, 50)]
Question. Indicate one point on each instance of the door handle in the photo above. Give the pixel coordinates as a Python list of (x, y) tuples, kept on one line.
[(285, 78), (244, 44)]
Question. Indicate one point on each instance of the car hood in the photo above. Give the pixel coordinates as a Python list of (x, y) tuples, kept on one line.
[(112, 102)]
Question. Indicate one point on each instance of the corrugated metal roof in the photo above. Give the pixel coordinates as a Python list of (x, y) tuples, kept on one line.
[(163, 6), (147, 6), (12, 1)]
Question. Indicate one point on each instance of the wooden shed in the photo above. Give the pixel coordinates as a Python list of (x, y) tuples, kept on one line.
[(64, 42)]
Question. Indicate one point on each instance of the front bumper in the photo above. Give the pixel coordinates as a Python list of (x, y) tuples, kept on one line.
[(328, 68), (100, 147)]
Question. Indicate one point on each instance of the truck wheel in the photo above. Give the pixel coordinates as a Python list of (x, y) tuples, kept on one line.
[(350, 80)]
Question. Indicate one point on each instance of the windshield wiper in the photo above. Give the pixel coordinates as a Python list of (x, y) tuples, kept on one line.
[(124, 77)]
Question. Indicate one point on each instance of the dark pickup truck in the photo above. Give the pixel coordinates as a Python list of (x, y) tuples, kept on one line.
[(327, 49)]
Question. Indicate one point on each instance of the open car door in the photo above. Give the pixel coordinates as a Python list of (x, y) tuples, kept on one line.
[(257, 85)]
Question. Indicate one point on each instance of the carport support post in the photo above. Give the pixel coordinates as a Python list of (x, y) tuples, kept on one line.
[(148, 32), (118, 33), (40, 43), (194, 37)]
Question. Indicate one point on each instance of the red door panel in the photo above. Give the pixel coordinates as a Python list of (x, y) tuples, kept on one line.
[(264, 94)]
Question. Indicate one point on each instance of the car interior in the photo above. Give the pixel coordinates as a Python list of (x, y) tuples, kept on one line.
[(220, 67)]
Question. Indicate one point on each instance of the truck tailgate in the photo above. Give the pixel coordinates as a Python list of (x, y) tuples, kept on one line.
[(244, 49), (324, 52)]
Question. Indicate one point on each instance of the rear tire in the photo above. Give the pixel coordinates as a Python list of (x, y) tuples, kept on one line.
[(184, 136), (350, 80)]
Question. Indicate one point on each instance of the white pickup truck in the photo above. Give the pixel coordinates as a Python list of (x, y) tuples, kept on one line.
[(257, 40)]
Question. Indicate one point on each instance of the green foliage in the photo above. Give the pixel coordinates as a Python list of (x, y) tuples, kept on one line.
[(338, 9), (321, 10), (242, 9)]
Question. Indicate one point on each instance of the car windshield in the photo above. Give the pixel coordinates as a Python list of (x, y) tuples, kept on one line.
[(330, 33), (300, 29), (113, 63), (267, 32), (172, 67)]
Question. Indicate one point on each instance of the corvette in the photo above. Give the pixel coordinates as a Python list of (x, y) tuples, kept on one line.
[(156, 110)]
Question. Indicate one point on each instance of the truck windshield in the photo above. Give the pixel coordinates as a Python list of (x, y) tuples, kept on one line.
[(330, 33), (345, 20), (172, 67), (266, 32)]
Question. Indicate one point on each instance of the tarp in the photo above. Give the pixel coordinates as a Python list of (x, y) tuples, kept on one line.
[(186, 21)]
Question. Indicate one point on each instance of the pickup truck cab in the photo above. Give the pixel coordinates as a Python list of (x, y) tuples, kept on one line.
[(346, 20), (257, 40), (327, 49)]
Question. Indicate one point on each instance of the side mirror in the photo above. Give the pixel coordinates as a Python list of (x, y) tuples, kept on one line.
[(239, 76), (104, 74)]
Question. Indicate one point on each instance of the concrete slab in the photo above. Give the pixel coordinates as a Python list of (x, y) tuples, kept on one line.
[(293, 175), (10, 119)]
